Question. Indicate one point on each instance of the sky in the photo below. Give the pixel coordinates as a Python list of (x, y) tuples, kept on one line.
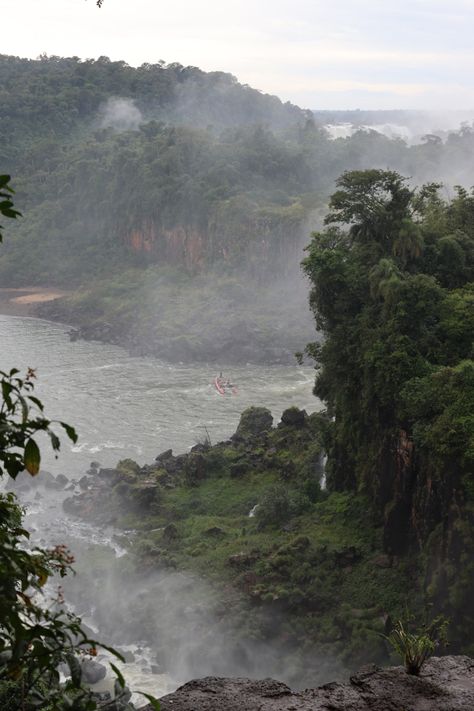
[(331, 54)]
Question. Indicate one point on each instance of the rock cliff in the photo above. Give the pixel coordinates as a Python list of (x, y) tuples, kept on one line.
[(445, 684)]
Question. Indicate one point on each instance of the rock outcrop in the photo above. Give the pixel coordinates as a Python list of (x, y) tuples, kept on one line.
[(445, 684)]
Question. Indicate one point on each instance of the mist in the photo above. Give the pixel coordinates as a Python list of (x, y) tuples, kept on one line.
[(190, 631), (120, 114)]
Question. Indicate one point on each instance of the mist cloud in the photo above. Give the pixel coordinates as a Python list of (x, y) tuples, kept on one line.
[(120, 114)]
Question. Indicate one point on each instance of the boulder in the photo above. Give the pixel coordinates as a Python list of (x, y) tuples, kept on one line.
[(294, 417), (254, 421), (195, 468), (167, 454), (92, 672), (62, 480), (109, 476)]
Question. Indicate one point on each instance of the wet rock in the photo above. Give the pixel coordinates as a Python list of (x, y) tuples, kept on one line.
[(109, 476), (164, 456), (92, 672), (445, 684), (62, 480), (294, 417), (84, 482)]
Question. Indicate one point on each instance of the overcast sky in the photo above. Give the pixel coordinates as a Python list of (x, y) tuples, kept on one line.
[(318, 54)]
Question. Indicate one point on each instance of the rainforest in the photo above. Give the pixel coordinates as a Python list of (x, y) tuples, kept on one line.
[(175, 224)]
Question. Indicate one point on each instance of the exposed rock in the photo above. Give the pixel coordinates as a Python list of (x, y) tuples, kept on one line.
[(92, 671), (445, 684), (110, 476), (294, 417), (254, 421), (200, 447), (195, 468), (62, 480), (167, 454)]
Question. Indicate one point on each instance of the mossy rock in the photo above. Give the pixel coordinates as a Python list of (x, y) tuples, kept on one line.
[(195, 469), (254, 421)]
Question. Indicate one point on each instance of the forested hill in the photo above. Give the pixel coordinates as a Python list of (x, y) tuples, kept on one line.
[(116, 166), (123, 173), (55, 95)]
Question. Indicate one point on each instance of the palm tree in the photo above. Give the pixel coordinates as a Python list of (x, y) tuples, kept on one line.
[(409, 242)]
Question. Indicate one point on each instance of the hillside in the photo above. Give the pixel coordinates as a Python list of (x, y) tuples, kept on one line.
[(132, 178)]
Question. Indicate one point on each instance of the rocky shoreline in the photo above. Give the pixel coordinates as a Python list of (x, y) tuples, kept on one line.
[(445, 684), (220, 337)]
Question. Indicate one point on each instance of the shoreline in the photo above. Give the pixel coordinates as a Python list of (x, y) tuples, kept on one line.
[(22, 301)]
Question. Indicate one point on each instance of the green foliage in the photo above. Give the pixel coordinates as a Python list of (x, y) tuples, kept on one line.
[(278, 506), (6, 203), (21, 417), (414, 648), (394, 302)]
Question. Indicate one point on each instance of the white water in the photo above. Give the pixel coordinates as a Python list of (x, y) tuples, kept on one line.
[(125, 406)]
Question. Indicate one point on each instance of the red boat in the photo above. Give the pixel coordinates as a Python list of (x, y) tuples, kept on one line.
[(224, 387)]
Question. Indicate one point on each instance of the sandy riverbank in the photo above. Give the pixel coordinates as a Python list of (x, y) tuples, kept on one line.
[(22, 302)]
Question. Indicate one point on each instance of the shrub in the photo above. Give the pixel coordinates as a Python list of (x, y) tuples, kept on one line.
[(416, 647), (278, 506)]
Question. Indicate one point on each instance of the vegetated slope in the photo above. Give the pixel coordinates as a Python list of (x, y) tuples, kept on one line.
[(303, 582), (164, 166), (393, 293), (392, 277)]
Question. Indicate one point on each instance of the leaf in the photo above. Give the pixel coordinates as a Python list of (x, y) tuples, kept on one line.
[(32, 457), (37, 402), (155, 704), (55, 443), (42, 578), (70, 431), (119, 675)]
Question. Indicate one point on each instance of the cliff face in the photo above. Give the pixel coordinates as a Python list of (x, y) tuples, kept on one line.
[(445, 684), (180, 246), (237, 232)]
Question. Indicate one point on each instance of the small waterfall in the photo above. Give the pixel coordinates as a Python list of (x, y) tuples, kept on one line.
[(322, 462), (253, 511)]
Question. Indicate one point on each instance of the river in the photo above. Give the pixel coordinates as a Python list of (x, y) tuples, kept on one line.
[(124, 406)]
